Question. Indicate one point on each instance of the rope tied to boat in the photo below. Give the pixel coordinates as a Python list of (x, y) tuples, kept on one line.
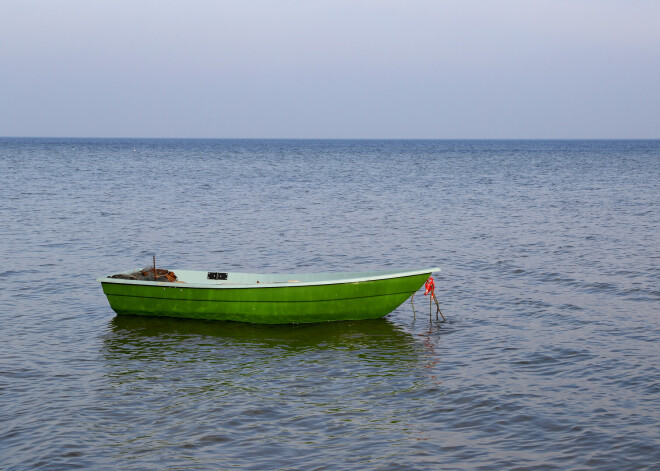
[(429, 289)]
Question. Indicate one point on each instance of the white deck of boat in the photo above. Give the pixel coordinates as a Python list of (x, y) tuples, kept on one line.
[(195, 278)]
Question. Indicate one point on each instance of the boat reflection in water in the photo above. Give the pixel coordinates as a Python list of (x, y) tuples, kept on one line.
[(275, 360), (257, 395), (184, 340)]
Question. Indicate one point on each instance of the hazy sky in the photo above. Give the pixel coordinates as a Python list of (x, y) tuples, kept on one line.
[(330, 68)]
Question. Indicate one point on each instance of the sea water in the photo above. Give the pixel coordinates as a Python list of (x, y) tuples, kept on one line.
[(550, 284)]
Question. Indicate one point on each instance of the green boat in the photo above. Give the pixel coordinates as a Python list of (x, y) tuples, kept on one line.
[(265, 298)]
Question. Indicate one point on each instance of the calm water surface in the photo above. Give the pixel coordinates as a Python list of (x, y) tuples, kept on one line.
[(549, 358)]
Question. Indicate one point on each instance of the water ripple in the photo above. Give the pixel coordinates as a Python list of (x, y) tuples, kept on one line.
[(548, 359)]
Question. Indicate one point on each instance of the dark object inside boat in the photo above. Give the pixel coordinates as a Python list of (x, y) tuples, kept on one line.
[(148, 275)]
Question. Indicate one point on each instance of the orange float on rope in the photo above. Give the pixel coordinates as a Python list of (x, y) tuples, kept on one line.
[(429, 287)]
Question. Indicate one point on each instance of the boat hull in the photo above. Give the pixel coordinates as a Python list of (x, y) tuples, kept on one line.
[(280, 304)]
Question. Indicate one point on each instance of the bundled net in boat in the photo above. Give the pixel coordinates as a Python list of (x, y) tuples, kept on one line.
[(147, 274)]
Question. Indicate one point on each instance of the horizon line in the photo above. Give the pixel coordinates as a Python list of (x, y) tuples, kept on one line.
[(350, 138)]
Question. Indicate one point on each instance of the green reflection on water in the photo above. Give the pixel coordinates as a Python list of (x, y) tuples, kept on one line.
[(137, 335), (226, 390), (283, 359)]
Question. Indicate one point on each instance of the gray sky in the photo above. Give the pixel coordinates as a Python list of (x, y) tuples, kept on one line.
[(330, 68)]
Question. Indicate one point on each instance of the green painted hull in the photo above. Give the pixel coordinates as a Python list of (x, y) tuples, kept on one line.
[(344, 298)]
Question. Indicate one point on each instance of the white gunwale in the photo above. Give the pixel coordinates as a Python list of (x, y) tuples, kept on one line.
[(197, 279)]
